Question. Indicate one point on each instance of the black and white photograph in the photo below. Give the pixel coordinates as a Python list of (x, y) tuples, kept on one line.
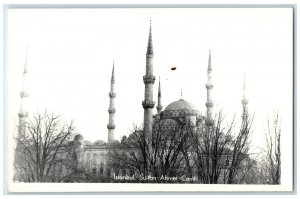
[(149, 99)]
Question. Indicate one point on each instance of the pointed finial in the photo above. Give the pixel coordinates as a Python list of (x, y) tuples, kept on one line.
[(26, 60), (209, 61), (150, 46), (244, 102), (159, 107), (150, 26), (113, 73), (244, 86), (159, 90)]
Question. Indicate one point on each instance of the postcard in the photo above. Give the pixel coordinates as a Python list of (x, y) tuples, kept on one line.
[(149, 99)]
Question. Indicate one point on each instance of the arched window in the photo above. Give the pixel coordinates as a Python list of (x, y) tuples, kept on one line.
[(123, 172), (116, 172), (87, 157), (101, 171), (131, 172), (101, 168), (94, 160), (108, 172)]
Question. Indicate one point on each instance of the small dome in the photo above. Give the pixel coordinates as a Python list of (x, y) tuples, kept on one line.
[(114, 142), (99, 142), (86, 142), (78, 137)]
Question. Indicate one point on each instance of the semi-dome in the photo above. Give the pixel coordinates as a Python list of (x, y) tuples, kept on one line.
[(165, 123), (182, 105), (86, 142)]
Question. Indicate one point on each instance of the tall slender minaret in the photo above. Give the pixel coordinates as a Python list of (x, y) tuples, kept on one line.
[(209, 86), (149, 79), (245, 104), (111, 110), (24, 94), (159, 107)]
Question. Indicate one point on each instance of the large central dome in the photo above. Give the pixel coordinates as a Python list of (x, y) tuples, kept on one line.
[(180, 108), (181, 105)]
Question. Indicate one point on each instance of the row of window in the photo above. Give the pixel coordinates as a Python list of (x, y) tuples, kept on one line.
[(95, 156)]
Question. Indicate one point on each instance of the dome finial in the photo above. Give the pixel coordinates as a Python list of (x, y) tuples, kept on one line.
[(181, 94)]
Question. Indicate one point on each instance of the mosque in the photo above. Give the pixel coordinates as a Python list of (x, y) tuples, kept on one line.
[(93, 156)]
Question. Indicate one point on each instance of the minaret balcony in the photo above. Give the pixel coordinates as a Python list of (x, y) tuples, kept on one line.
[(111, 110), (209, 104), (112, 94), (244, 101), (149, 55), (111, 126), (24, 94), (23, 114), (209, 86), (148, 104), (245, 115), (159, 107), (209, 122), (149, 79)]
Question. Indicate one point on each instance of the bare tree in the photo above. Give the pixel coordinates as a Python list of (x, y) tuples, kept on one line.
[(240, 152), (130, 154), (169, 149), (166, 159), (209, 151), (271, 163), (211, 148), (42, 153)]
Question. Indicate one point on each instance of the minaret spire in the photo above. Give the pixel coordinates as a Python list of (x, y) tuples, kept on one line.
[(149, 79), (209, 86), (111, 110), (159, 107), (112, 81), (24, 94), (150, 45), (244, 103)]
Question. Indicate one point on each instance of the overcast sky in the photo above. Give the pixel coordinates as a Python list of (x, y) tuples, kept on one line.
[(71, 52)]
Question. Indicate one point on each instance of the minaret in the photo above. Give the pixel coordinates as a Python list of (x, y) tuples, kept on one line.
[(209, 103), (245, 104), (111, 110), (159, 107), (149, 79), (24, 94)]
